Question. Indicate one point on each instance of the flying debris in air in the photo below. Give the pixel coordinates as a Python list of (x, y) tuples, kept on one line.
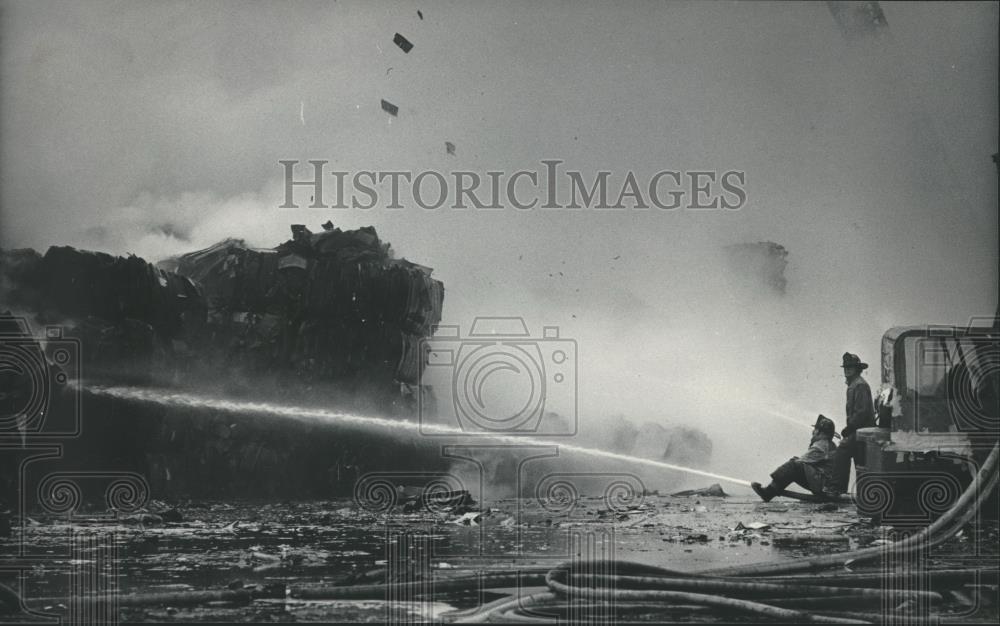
[(858, 20), (449, 147), (403, 43), (390, 108), (420, 15)]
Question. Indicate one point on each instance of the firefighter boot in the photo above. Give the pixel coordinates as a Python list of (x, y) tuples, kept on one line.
[(765, 493)]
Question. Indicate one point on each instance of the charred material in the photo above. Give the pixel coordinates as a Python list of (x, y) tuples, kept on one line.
[(332, 307), (123, 310), (330, 318), (321, 307)]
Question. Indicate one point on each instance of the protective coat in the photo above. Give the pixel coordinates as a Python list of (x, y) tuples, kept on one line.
[(817, 463)]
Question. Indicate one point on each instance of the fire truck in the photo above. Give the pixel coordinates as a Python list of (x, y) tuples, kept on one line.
[(937, 412)]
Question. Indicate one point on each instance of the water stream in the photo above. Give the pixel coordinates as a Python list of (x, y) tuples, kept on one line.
[(394, 427)]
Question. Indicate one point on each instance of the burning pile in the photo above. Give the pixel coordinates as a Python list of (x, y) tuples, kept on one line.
[(333, 306), (330, 317), (326, 306), (123, 310)]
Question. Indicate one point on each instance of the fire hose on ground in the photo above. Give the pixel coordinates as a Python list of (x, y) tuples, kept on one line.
[(585, 588)]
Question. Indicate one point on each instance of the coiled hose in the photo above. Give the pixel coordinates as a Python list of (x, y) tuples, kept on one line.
[(722, 589)]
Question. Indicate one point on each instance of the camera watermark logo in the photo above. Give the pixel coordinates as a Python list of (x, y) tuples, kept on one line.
[(498, 379), (35, 372)]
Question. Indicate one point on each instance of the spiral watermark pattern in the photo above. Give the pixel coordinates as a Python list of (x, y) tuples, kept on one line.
[(438, 494), (127, 494), (907, 498), (624, 493), (557, 494), (59, 494), (376, 493), (937, 494), (874, 495)]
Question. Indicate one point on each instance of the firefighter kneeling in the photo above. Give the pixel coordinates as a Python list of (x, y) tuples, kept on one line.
[(813, 470)]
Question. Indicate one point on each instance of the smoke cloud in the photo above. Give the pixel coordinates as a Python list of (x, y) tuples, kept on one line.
[(157, 129)]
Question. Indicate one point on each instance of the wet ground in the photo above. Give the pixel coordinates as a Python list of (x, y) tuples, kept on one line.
[(216, 546)]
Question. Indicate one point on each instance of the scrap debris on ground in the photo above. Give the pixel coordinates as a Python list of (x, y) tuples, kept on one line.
[(714, 490), (245, 555)]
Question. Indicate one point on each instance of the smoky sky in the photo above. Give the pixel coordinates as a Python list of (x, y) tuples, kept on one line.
[(156, 128)]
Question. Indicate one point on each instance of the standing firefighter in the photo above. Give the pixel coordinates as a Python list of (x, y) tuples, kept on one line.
[(860, 414), (812, 470)]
